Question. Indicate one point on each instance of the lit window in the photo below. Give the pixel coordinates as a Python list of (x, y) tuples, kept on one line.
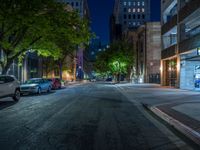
[(129, 10), (133, 3), (138, 3), (133, 9), (138, 9), (142, 3), (143, 10), (124, 3), (129, 3), (134, 23)]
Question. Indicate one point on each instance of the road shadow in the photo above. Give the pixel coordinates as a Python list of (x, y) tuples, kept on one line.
[(105, 83), (5, 104), (62, 88), (42, 94)]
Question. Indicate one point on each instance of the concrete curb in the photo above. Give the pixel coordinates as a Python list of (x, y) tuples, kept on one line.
[(187, 131)]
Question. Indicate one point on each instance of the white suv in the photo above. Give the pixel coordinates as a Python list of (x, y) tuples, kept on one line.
[(9, 87)]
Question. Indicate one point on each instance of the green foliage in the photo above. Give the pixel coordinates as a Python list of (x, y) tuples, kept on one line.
[(44, 26), (117, 59)]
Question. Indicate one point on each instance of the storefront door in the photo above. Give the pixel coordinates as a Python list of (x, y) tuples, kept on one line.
[(171, 72)]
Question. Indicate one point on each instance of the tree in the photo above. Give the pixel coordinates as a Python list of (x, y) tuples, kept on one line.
[(44, 26), (117, 59)]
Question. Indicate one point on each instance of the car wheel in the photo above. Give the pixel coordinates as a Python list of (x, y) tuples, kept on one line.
[(49, 89), (16, 96), (39, 91)]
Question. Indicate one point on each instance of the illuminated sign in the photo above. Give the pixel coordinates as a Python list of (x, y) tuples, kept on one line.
[(197, 69)]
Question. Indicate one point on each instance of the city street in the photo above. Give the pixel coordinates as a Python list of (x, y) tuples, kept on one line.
[(94, 116)]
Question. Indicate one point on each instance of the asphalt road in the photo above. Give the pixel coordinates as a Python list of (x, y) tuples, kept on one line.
[(84, 117)]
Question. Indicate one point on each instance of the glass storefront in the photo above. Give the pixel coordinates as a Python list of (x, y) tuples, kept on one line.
[(171, 72), (197, 77)]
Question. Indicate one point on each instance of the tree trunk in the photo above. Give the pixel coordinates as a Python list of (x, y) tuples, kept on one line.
[(60, 68), (46, 70), (6, 67), (118, 77)]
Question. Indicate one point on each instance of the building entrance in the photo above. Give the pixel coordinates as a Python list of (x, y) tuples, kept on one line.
[(171, 72)]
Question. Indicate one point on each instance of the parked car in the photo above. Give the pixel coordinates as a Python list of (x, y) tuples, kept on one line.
[(35, 85), (9, 87), (55, 83), (109, 79)]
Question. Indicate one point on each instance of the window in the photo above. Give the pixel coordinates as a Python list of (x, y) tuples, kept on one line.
[(143, 10), (129, 10), (138, 3), (76, 4), (138, 16), (134, 16), (124, 3), (129, 16), (133, 9), (133, 3), (125, 22), (72, 4), (2, 80), (9, 79), (125, 16), (138, 9), (142, 3), (129, 3), (143, 16), (125, 10)]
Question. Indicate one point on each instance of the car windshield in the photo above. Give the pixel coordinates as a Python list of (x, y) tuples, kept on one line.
[(33, 81)]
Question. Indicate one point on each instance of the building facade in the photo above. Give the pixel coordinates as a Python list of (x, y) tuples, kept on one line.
[(131, 14), (180, 65), (30, 67), (147, 45)]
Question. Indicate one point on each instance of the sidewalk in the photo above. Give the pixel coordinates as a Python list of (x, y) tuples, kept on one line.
[(179, 108), (185, 117), (75, 83)]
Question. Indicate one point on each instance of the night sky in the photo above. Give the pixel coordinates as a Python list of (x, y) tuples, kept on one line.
[(100, 11)]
